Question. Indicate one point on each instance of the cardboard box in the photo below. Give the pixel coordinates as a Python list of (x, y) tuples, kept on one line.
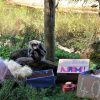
[(64, 77), (69, 69), (89, 85)]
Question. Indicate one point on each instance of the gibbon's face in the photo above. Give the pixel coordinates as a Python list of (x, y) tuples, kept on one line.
[(34, 44)]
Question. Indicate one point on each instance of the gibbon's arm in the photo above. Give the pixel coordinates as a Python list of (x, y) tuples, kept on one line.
[(29, 52), (42, 50)]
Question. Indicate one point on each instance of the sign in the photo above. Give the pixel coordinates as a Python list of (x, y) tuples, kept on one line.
[(73, 65), (89, 85)]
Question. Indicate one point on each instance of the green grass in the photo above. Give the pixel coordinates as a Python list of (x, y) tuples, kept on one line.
[(12, 91)]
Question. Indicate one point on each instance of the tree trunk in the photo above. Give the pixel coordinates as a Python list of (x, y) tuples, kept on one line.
[(49, 26), (99, 7)]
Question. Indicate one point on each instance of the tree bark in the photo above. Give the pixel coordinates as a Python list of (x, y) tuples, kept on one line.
[(49, 26), (99, 7)]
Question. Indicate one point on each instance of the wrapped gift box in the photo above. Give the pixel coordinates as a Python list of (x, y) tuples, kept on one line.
[(89, 85), (41, 79)]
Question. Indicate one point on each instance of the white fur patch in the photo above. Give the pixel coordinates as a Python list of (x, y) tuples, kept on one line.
[(12, 65), (23, 72), (17, 70)]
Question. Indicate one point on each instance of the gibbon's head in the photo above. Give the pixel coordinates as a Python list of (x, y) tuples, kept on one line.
[(34, 44)]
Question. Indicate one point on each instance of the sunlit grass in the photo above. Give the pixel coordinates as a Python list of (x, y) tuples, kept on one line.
[(72, 29)]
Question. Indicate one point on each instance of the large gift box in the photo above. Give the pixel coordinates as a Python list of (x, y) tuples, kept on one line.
[(41, 79), (89, 85)]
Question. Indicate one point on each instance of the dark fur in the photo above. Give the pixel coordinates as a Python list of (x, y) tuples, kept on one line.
[(19, 53), (37, 54)]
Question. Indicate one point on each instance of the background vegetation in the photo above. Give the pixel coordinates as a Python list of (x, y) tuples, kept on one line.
[(72, 29)]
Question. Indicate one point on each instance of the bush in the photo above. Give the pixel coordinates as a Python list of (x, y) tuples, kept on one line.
[(95, 55), (5, 51), (60, 54)]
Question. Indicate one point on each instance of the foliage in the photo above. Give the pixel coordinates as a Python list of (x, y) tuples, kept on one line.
[(11, 90), (7, 44), (95, 55), (93, 65), (60, 54), (4, 52), (5, 91)]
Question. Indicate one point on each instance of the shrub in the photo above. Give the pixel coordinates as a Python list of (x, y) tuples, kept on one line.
[(95, 55), (60, 54), (4, 51)]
